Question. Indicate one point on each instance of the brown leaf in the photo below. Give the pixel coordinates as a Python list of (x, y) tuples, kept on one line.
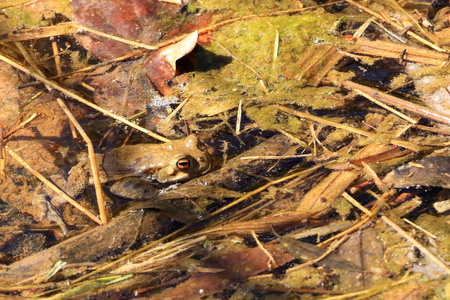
[(160, 68), (136, 20), (430, 171), (238, 266)]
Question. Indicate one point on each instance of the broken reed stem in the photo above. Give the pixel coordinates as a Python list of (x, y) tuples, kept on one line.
[(357, 204), (397, 26), (346, 232), (399, 103), (260, 189), (416, 244), (20, 126), (128, 256), (380, 185), (239, 118), (56, 57), (59, 73), (405, 117), (176, 110), (370, 135), (330, 250), (420, 228), (92, 159), (4, 139), (275, 156), (370, 293), (443, 131), (56, 86), (52, 186), (115, 38)]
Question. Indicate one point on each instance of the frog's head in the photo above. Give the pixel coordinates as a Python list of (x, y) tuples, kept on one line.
[(190, 160)]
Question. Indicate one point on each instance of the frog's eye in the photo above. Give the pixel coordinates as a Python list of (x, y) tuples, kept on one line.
[(183, 163)]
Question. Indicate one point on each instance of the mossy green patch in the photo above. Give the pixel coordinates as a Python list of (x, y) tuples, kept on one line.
[(241, 8), (249, 66), (15, 17), (437, 225)]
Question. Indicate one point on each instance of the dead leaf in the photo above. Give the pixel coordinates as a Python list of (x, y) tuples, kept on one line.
[(160, 68), (237, 265), (430, 171)]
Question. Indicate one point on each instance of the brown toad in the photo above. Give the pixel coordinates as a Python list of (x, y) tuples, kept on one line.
[(135, 171)]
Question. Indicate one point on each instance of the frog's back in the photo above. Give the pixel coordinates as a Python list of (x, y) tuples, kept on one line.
[(131, 161)]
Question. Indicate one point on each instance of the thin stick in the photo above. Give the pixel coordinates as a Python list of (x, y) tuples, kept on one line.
[(260, 189), (52, 186), (80, 99), (176, 110), (2, 156), (356, 203), (433, 129), (271, 263), (115, 38), (57, 60), (420, 228), (366, 294), (397, 26), (332, 248), (275, 156), (276, 45), (346, 232), (92, 159), (381, 186), (416, 244), (400, 103), (232, 20), (293, 138), (21, 125), (239, 118), (370, 135), (403, 116), (102, 64)]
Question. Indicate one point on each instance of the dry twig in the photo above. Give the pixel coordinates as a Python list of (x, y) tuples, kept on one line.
[(400, 103), (92, 159), (416, 244), (52, 186), (80, 99)]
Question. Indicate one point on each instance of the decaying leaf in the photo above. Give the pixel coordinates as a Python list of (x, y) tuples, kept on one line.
[(9, 97), (160, 67), (430, 171), (237, 265)]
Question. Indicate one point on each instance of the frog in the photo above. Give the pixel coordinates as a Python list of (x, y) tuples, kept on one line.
[(135, 172)]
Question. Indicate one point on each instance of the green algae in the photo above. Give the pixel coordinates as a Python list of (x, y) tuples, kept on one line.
[(437, 225), (16, 16), (256, 71), (241, 8)]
